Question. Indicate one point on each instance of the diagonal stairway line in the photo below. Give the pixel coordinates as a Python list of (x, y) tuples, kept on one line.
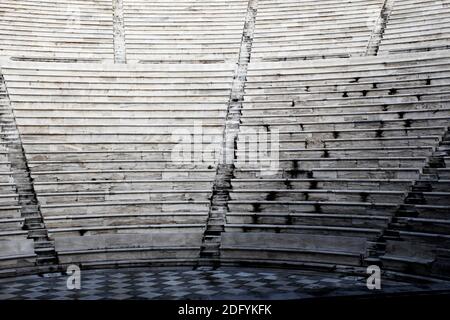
[(210, 249), (379, 28), (28, 202)]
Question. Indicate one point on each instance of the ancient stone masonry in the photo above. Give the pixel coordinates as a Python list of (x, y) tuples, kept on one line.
[(27, 200), (210, 252), (119, 32), (130, 130), (373, 45)]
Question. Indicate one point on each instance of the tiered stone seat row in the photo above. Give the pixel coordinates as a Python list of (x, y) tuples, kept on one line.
[(203, 31), (293, 30), (100, 142), (184, 31), (354, 135), (68, 30), (417, 26), (15, 249)]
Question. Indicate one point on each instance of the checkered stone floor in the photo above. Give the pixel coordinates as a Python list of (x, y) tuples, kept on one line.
[(224, 283)]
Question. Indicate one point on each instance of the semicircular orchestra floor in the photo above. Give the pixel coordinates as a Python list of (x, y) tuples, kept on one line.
[(184, 283)]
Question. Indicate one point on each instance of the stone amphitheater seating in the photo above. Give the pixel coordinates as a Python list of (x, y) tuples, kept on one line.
[(99, 142), (294, 30), (357, 134), (417, 26), (353, 139), (65, 31), (184, 31)]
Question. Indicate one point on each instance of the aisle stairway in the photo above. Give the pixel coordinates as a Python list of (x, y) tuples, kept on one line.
[(20, 221)]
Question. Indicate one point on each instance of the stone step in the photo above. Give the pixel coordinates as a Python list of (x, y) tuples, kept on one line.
[(28, 202), (23, 179), (212, 239), (44, 244), (35, 226), (208, 262), (215, 228), (216, 221), (30, 210), (46, 260), (45, 251), (372, 261), (210, 253), (209, 232), (25, 188), (37, 233), (210, 246)]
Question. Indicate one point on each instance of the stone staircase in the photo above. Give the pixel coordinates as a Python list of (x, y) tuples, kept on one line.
[(373, 45), (30, 210), (210, 249)]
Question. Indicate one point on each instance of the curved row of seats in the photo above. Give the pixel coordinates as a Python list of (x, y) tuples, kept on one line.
[(15, 249), (121, 152), (417, 26), (211, 31), (353, 137), (159, 31)]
